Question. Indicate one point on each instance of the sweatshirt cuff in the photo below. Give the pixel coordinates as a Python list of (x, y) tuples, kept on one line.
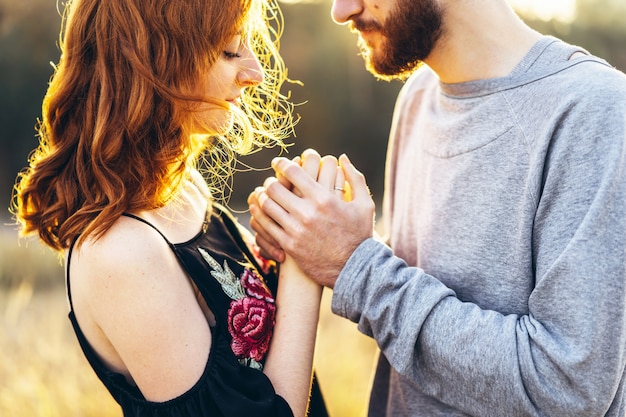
[(347, 293)]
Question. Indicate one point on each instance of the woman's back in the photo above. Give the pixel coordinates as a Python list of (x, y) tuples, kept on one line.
[(129, 291)]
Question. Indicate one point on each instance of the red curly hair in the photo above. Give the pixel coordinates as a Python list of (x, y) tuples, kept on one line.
[(115, 134)]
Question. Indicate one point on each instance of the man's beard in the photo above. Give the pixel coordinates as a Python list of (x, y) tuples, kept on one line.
[(410, 34)]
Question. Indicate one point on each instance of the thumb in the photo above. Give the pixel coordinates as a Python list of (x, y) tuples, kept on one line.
[(354, 178)]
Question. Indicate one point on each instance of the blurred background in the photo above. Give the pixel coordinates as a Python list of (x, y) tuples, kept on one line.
[(343, 109)]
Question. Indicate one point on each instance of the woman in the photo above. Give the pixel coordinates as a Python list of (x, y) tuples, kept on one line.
[(173, 310)]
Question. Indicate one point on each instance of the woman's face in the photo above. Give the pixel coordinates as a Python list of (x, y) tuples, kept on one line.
[(235, 69)]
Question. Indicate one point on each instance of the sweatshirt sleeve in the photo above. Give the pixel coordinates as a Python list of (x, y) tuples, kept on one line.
[(566, 357)]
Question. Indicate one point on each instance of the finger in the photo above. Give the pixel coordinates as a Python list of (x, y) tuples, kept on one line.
[(252, 197), (310, 162), (355, 180), (268, 231), (296, 160), (258, 220), (278, 203), (341, 187), (272, 252), (268, 248), (328, 172), (296, 175), (284, 181)]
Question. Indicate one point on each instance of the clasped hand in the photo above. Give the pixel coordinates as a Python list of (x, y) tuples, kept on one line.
[(317, 210)]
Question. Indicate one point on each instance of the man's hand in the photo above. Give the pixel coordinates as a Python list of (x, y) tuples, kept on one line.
[(315, 166), (311, 219)]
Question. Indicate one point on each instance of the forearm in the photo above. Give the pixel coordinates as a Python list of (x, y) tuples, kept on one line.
[(290, 358), (551, 362)]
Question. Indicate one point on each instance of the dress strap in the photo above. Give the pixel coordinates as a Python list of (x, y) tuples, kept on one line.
[(67, 273), (71, 249), (132, 216)]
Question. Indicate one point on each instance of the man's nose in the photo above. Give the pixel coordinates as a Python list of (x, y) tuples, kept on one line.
[(344, 10)]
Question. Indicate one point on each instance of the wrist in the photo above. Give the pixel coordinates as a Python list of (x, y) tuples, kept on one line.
[(297, 289)]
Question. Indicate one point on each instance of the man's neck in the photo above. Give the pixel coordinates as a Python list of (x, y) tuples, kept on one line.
[(480, 42)]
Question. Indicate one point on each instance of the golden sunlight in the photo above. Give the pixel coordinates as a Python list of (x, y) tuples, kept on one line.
[(300, 1), (563, 10)]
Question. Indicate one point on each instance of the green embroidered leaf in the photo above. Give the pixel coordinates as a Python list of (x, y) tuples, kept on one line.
[(251, 363), (225, 276)]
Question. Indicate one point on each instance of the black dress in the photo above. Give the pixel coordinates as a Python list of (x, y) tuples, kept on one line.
[(239, 289)]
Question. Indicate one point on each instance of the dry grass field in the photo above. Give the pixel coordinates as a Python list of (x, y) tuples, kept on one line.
[(44, 374)]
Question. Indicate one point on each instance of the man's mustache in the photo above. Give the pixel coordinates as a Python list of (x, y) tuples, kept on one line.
[(362, 25)]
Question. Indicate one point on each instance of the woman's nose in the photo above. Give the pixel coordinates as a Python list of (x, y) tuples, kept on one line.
[(344, 10), (251, 72)]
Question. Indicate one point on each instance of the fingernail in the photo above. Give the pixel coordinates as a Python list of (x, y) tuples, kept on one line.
[(262, 198), (268, 181)]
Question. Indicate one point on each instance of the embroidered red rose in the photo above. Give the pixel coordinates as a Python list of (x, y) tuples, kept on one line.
[(250, 323), (254, 287)]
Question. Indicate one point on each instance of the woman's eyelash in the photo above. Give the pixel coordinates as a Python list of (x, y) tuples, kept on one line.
[(231, 55)]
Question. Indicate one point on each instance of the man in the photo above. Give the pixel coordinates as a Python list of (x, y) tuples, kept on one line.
[(504, 291)]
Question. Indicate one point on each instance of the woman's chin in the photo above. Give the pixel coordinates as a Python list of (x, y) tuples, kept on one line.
[(220, 125)]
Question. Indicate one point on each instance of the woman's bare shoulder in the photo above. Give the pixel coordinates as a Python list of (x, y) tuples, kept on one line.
[(141, 308), (125, 255)]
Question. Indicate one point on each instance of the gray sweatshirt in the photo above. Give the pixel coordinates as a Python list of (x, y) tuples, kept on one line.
[(504, 293)]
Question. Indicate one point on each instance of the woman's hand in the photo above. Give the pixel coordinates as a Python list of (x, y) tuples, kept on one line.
[(315, 221), (325, 170)]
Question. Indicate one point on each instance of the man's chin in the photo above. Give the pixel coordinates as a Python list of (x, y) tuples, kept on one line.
[(373, 60), (383, 68)]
